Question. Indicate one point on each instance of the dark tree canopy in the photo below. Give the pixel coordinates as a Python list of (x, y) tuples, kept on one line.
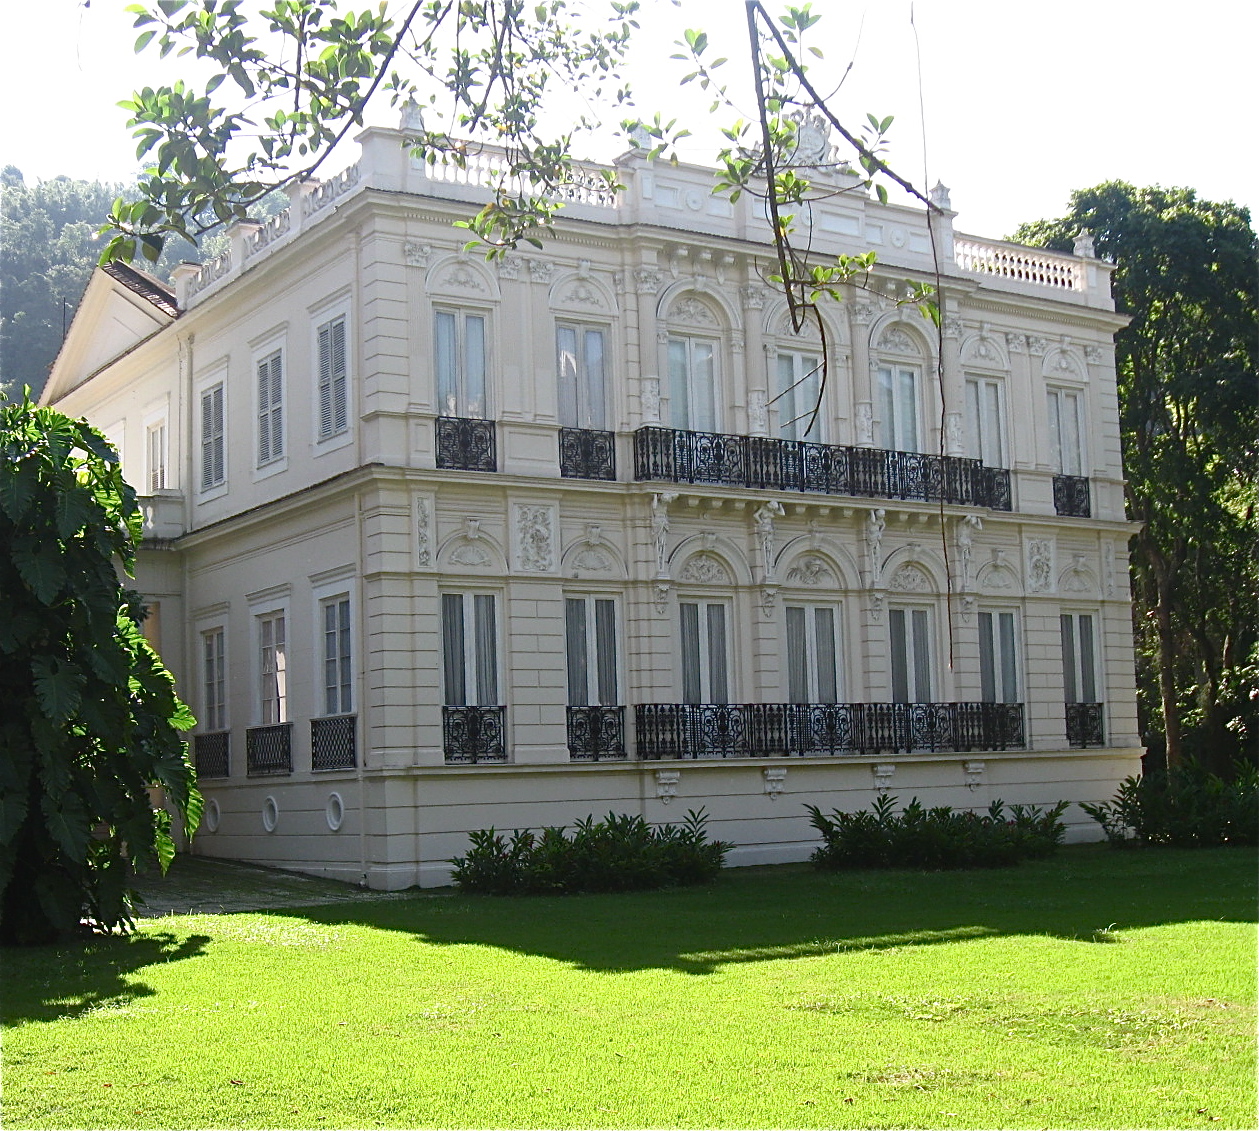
[(91, 720), (1189, 413)]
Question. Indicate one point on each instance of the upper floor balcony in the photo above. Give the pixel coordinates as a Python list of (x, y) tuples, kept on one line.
[(766, 463)]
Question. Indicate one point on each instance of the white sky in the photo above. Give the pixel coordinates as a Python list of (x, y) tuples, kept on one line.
[(1024, 101)]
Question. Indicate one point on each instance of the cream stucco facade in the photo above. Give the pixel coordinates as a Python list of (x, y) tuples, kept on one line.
[(435, 543)]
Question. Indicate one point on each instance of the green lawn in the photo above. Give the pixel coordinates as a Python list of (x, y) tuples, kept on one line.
[(1099, 989)]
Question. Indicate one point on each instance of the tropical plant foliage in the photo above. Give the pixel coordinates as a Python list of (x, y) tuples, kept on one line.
[(91, 719), (937, 838), (1189, 414)]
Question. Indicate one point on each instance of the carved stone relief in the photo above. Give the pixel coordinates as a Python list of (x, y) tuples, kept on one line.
[(910, 579), (811, 571), (660, 530), (864, 422), (691, 311), (423, 532), (535, 537), (704, 569), (896, 340), (416, 254), (540, 270), (1040, 565), (876, 523)]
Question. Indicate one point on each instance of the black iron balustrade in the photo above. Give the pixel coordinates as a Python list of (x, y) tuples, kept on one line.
[(212, 754), (269, 749), (765, 463), (332, 742), (1071, 496), (1085, 724), (464, 444), (759, 730), (596, 734), (587, 453), (474, 734)]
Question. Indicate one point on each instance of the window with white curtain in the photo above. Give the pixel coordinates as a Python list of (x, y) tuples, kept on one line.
[(459, 361), (270, 371), (693, 383), (899, 429), (1066, 427), (1079, 658), (470, 649), (272, 669), (213, 438), (799, 384), (813, 668), (590, 642), (705, 656), (337, 653), (157, 456), (581, 364), (985, 419), (910, 638), (998, 658), (213, 680), (333, 380)]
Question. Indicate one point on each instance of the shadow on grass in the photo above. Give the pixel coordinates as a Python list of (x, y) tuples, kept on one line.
[(46, 983), (758, 914)]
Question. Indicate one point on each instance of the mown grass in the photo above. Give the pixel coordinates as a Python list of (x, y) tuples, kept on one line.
[(1097, 989)]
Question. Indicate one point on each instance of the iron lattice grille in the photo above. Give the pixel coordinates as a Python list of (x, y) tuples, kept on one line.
[(764, 463), (466, 445), (1071, 496), (269, 749), (332, 742), (474, 734), (758, 730), (596, 733), (212, 754), (1085, 725), (587, 453)]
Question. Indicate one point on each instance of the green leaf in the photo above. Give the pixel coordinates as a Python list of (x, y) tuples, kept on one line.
[(57, 687), (41, 566)]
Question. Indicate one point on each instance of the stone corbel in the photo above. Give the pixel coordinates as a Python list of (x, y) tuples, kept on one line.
[(974, 772), (775, 780), (667, 784), (883, 773)]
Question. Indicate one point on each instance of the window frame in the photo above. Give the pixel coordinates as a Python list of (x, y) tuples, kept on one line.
[(914, 645), (703, 674), (457, 401), (594, 643), (810, 653), (214, 683), (280, 668), (584, 392), (1057, 448), (978, 440), (336, 698), (476, 672), (270, 418), (329, 435), (209, 486), (1075, 674), (682, 402), (797, 400), (992, 656), (890, 396)]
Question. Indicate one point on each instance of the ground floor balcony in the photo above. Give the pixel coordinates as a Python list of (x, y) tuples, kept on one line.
[(474, 734), (1072, 497), (1085, 724), (760, 730)]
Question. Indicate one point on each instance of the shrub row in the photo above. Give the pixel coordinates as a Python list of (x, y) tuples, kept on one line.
[(620, 853), (936, 838), (1185, 806)]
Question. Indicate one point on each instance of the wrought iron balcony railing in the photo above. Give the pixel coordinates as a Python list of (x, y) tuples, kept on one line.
[(759, 730), (765, 463), (332, 742), (269, 749), (464, 444), (212, 754), (587, 453), (474, 734), (596, 734), (1085, 724), (1071, 496)]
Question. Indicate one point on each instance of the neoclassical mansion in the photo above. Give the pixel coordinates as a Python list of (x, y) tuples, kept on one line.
[(435, 543)]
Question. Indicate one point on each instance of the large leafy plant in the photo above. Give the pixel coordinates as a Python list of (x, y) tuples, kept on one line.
[(91, 719)]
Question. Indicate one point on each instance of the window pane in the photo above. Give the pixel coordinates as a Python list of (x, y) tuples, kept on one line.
[(1088, 678), (1071, 463), (907, 436), (1009, 677), (1055, 429), (575, 640), (566, 364), (987, 660), (827, 672), (974, 422), (1069, 685), (595, 409), (900, 657), (690, 652), (444, 362), (605, 650), (474, 375), (679, 382), (887, 411), (922, 657), (719, 691), (452, 649), (486, 650), (994, 447), (797, 656)]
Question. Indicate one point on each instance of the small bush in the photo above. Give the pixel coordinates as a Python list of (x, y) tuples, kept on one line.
[(935, 839), (620, 853), (1186, 807)]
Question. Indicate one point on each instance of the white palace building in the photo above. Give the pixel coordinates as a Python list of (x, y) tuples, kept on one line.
[(434, 544)]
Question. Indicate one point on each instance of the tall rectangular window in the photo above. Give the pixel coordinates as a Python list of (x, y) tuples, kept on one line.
[(580, 357), (985, 432), (272, 669), (910, 637), (470, 649), (1065, 431), (898, 409), (333, 383), (799, 386), (214, 680), (1079, 658), (270, 408), (459, 361), (812, 654), (998, 665), (157, 456), (590, 639), (213, 451), (693, 383), (705, 664), (337, 670)]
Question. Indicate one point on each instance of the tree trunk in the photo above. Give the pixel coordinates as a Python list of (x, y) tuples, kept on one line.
[(1167, 678)]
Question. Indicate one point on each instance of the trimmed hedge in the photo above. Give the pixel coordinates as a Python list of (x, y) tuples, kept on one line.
[(620, 853), (1187, 807), (935, 839)]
